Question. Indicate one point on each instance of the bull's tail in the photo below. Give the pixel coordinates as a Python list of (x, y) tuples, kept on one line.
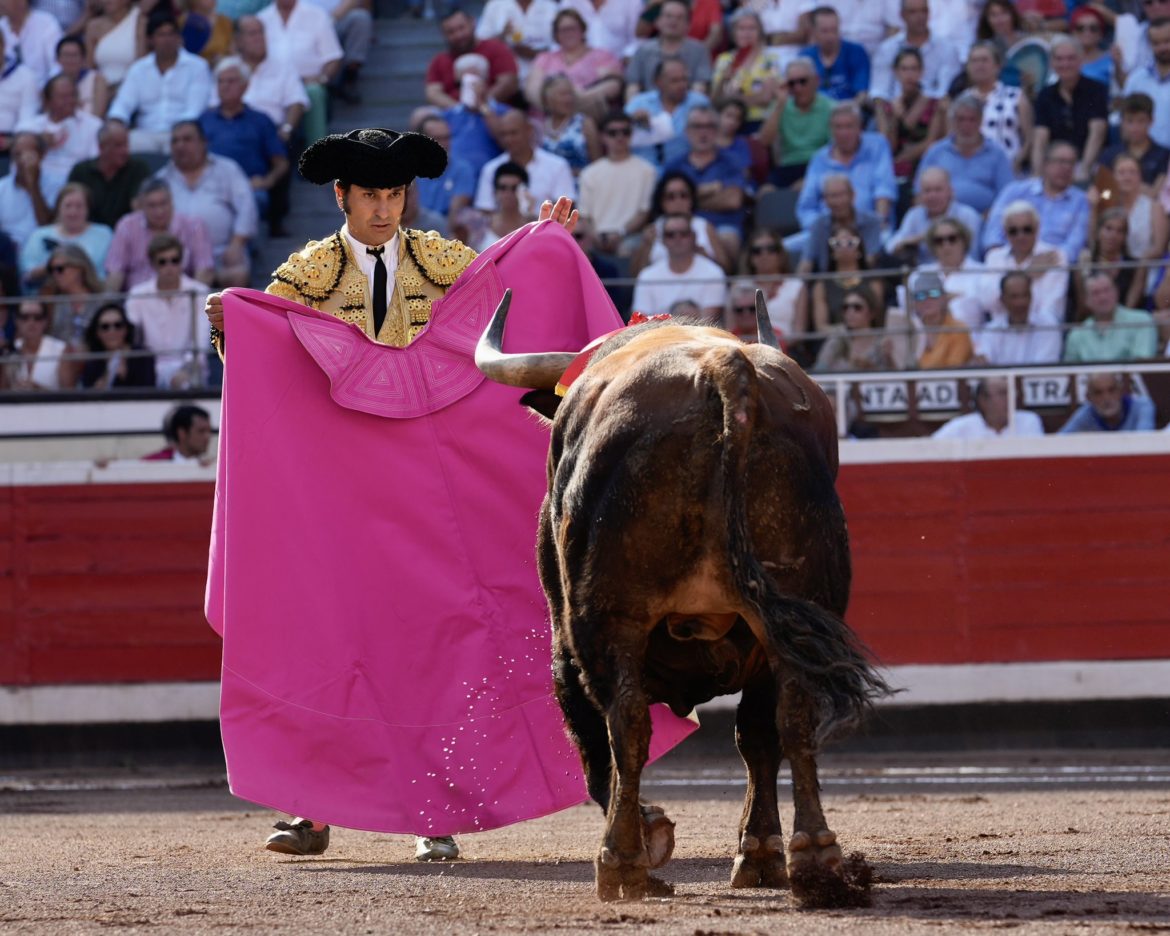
[(815, 647)]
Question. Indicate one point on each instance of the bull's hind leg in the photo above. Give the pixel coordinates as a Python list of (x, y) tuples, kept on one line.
[(759, 860), (623, 862)]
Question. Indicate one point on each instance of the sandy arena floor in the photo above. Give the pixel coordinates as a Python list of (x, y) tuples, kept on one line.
[(1053, 845)]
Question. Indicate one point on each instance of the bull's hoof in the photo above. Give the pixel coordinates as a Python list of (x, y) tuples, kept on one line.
[(760, 864), (822, 878), (628, 880), (658, 834)]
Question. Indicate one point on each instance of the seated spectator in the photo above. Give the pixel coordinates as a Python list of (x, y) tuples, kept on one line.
[(167, 309), (1112, 332), (1001, 23), (71, 225), (972, 289), (672, 42), (167, 86), (1063, 209), (114, 40), (1151, 78), (549, 176), (1137, 114), (214, 189), (765, 261), (274, 87), (848, 265), (247, 137), (936, 200), (615, 191), (70, 135), (857, 344), (675, 194), (840, 210), (117, 358), (34, 33), (941, 340), (991, 418), (442, 85), (748, 73), (19, 96), (420, 218), (302, 33), (1023, 333), (206, 32), (1148, 229), (453, 190), (719, 183), (1089, 27), (37, 361), (1074, 110), (611, 25), (1108, 247), (93, 94), (524, 26), (514, 206), (863, 157), (353, 23), (1107, 408), (843, 66), (565, 130), (74, 282), (474, 120), (595, 73), (26, 193), (910, 121), (739, 317), (939, 60), (978, 168), (684, 274), (751, 161), (113, 178), (660, 116), (187, 430), (1046, 263), (128, 261), (797, 125), (786, 28), (1008, 118)]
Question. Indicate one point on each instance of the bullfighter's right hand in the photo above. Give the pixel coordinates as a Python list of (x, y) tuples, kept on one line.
[(213, 309)]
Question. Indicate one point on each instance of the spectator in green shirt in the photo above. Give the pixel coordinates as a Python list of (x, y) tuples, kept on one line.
[(1112, 332), (798, 123)]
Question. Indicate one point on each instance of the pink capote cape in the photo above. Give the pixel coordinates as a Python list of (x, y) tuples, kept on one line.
[(386, 660)]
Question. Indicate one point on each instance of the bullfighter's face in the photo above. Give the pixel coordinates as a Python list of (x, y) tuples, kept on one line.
[(372, 214)]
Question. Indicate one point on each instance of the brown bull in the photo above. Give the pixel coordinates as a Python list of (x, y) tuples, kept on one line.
[(691, 545)]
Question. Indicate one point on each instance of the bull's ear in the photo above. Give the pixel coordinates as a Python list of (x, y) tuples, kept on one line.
[(542, 402)]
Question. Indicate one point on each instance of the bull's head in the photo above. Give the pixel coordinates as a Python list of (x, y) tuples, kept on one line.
[(540, 371)]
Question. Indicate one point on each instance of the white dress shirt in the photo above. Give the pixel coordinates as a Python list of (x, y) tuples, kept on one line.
[(973, 426), (37, 42), (273, 88), (169, 323), (308, 39), (20, 97), (163, 99), (613, 27), (366, 262), (1049, 291), (76, 140)]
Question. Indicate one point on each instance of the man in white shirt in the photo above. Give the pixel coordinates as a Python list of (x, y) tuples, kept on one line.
[(1020, 334), (549, 176), (162, 88), (32, 35), (616, 189), (167, 311), (525, 26), (1046, 264), (26, 193), (70, 134), (940, 59), (611, 25), (19, 93), (684, 274), (303, 34), (275, 88), (990, 419), (866, 22), (353, 22)]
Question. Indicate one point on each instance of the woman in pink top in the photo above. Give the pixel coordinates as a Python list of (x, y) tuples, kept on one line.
[(595, 73)]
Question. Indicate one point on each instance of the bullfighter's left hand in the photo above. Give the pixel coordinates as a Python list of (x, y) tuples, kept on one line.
[(563, 213)]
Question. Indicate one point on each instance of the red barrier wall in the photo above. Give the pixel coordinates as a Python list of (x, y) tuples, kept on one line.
[(955, 562)]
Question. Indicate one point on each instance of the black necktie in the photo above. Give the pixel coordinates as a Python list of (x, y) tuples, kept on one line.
[(379, 287)]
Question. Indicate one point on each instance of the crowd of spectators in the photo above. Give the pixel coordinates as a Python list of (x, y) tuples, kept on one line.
[(912, 183), (142, 144)]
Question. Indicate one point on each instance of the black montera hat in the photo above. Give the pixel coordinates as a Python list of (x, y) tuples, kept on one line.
[(373, 158)]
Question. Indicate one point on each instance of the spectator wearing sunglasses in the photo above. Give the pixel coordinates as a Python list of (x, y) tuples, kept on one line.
[(515, 207), (797, 125), (37, 361), (858, 344), (1045, 263), (615, 191), (840, 210), (1020, 334), (848, 264), (765, 260), (941, 340), (936, 200), (684, 274), (973, 290), (117, 358), (166, 310)]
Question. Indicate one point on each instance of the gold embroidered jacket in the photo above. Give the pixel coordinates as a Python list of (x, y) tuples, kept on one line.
[(325, 276)]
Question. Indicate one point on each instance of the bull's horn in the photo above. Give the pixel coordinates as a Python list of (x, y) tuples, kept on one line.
[(534, 371), (764, 322)]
